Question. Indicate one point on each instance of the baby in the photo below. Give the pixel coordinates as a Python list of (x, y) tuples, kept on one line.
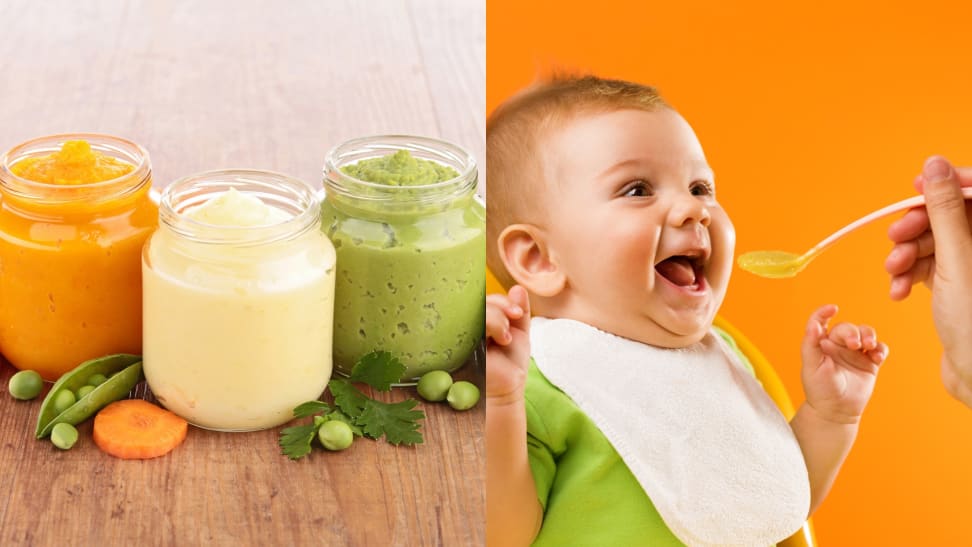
[(619, 415)]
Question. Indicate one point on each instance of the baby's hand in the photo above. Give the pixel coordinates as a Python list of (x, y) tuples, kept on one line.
[(840, 366), (507, 345)]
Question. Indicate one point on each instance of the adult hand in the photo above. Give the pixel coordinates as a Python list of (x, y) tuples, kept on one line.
[(933, 245)]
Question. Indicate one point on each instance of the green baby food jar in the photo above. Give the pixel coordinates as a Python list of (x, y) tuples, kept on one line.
[(410, 237)]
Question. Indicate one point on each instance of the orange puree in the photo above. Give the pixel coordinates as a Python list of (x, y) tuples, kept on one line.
[(70, 260), (75, 163)]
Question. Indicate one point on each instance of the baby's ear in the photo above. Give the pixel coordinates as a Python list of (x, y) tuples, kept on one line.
[(527, 258)]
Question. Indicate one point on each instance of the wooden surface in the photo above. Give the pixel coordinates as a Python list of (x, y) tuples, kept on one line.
[(217, 84)]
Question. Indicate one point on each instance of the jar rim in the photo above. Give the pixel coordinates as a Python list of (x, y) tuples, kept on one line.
[(300, 193), (129, 151), (372, 146)]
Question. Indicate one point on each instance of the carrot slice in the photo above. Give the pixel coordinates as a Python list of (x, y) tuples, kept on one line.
[(134, 429)]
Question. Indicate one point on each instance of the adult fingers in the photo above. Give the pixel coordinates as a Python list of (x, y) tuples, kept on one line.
[(946, 212), (922, 271), (901, 286), (911, 225), (903, 255), (964, 175)]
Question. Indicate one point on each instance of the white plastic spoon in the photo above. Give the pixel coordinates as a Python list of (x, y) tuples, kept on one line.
[(779, 264)]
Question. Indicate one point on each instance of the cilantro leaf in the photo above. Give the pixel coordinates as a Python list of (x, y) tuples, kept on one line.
[(342, 417), (396, 421), (295, 442), (347, 397), (310, 408), (378, 369)]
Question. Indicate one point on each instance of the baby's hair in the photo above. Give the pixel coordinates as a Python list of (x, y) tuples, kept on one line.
[(514, 154)]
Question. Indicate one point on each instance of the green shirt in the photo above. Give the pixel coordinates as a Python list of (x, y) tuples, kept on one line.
[(589, 496)]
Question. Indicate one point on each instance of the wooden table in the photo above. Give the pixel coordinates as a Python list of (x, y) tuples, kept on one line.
[(271, 85)]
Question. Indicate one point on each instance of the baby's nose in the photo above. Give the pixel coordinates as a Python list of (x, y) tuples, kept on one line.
[(689, 209)]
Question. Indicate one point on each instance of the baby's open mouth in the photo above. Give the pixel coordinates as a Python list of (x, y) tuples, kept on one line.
[(684, 271)]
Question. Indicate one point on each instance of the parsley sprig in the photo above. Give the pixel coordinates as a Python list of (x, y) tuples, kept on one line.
[(396, 422)]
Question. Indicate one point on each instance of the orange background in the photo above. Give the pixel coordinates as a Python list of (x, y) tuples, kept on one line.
[(811, 116)]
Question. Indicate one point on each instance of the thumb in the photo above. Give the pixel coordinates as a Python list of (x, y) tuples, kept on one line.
[(946, 211), (815, 331), (519, 296)]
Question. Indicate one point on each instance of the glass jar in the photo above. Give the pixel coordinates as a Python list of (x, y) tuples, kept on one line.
[(238, 315), (411, 259), (70, 286)]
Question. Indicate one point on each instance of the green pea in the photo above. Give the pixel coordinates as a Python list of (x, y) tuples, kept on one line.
[(128, 371), (335, 435), (97, 379), (25, 385), (463, 395), (64, 399), (64, 435), (434, 386), (318, 420), (84, 390)]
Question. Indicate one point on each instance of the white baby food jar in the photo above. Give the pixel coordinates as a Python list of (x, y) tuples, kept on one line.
[(410, 238), (238, 299)]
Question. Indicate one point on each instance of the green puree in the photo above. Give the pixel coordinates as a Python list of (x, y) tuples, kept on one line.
[(413, 284), (400, 169)]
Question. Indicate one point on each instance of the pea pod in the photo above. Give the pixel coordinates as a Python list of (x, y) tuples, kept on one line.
[(124, 370)]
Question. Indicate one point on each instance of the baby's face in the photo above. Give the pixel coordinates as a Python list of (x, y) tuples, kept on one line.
[(634, 223)]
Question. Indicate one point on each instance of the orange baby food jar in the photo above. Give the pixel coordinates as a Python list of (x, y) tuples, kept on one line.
[(70, 252)]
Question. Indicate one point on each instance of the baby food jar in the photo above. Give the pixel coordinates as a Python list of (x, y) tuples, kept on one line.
[(70, 286), (411, 251), (239, 297)]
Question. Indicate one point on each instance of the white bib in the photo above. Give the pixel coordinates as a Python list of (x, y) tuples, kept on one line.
[(707, 444)]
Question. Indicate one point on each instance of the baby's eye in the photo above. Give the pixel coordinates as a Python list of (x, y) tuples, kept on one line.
[(702, 188), (637, 189)]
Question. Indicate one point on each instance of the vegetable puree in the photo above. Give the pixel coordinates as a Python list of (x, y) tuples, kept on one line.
[(238, 309), (411, 275), (74, 163), (73, 219), (772, 264), (400, 169)]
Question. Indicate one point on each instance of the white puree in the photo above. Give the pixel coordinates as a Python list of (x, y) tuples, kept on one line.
[(231, 208), (235, 337)]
